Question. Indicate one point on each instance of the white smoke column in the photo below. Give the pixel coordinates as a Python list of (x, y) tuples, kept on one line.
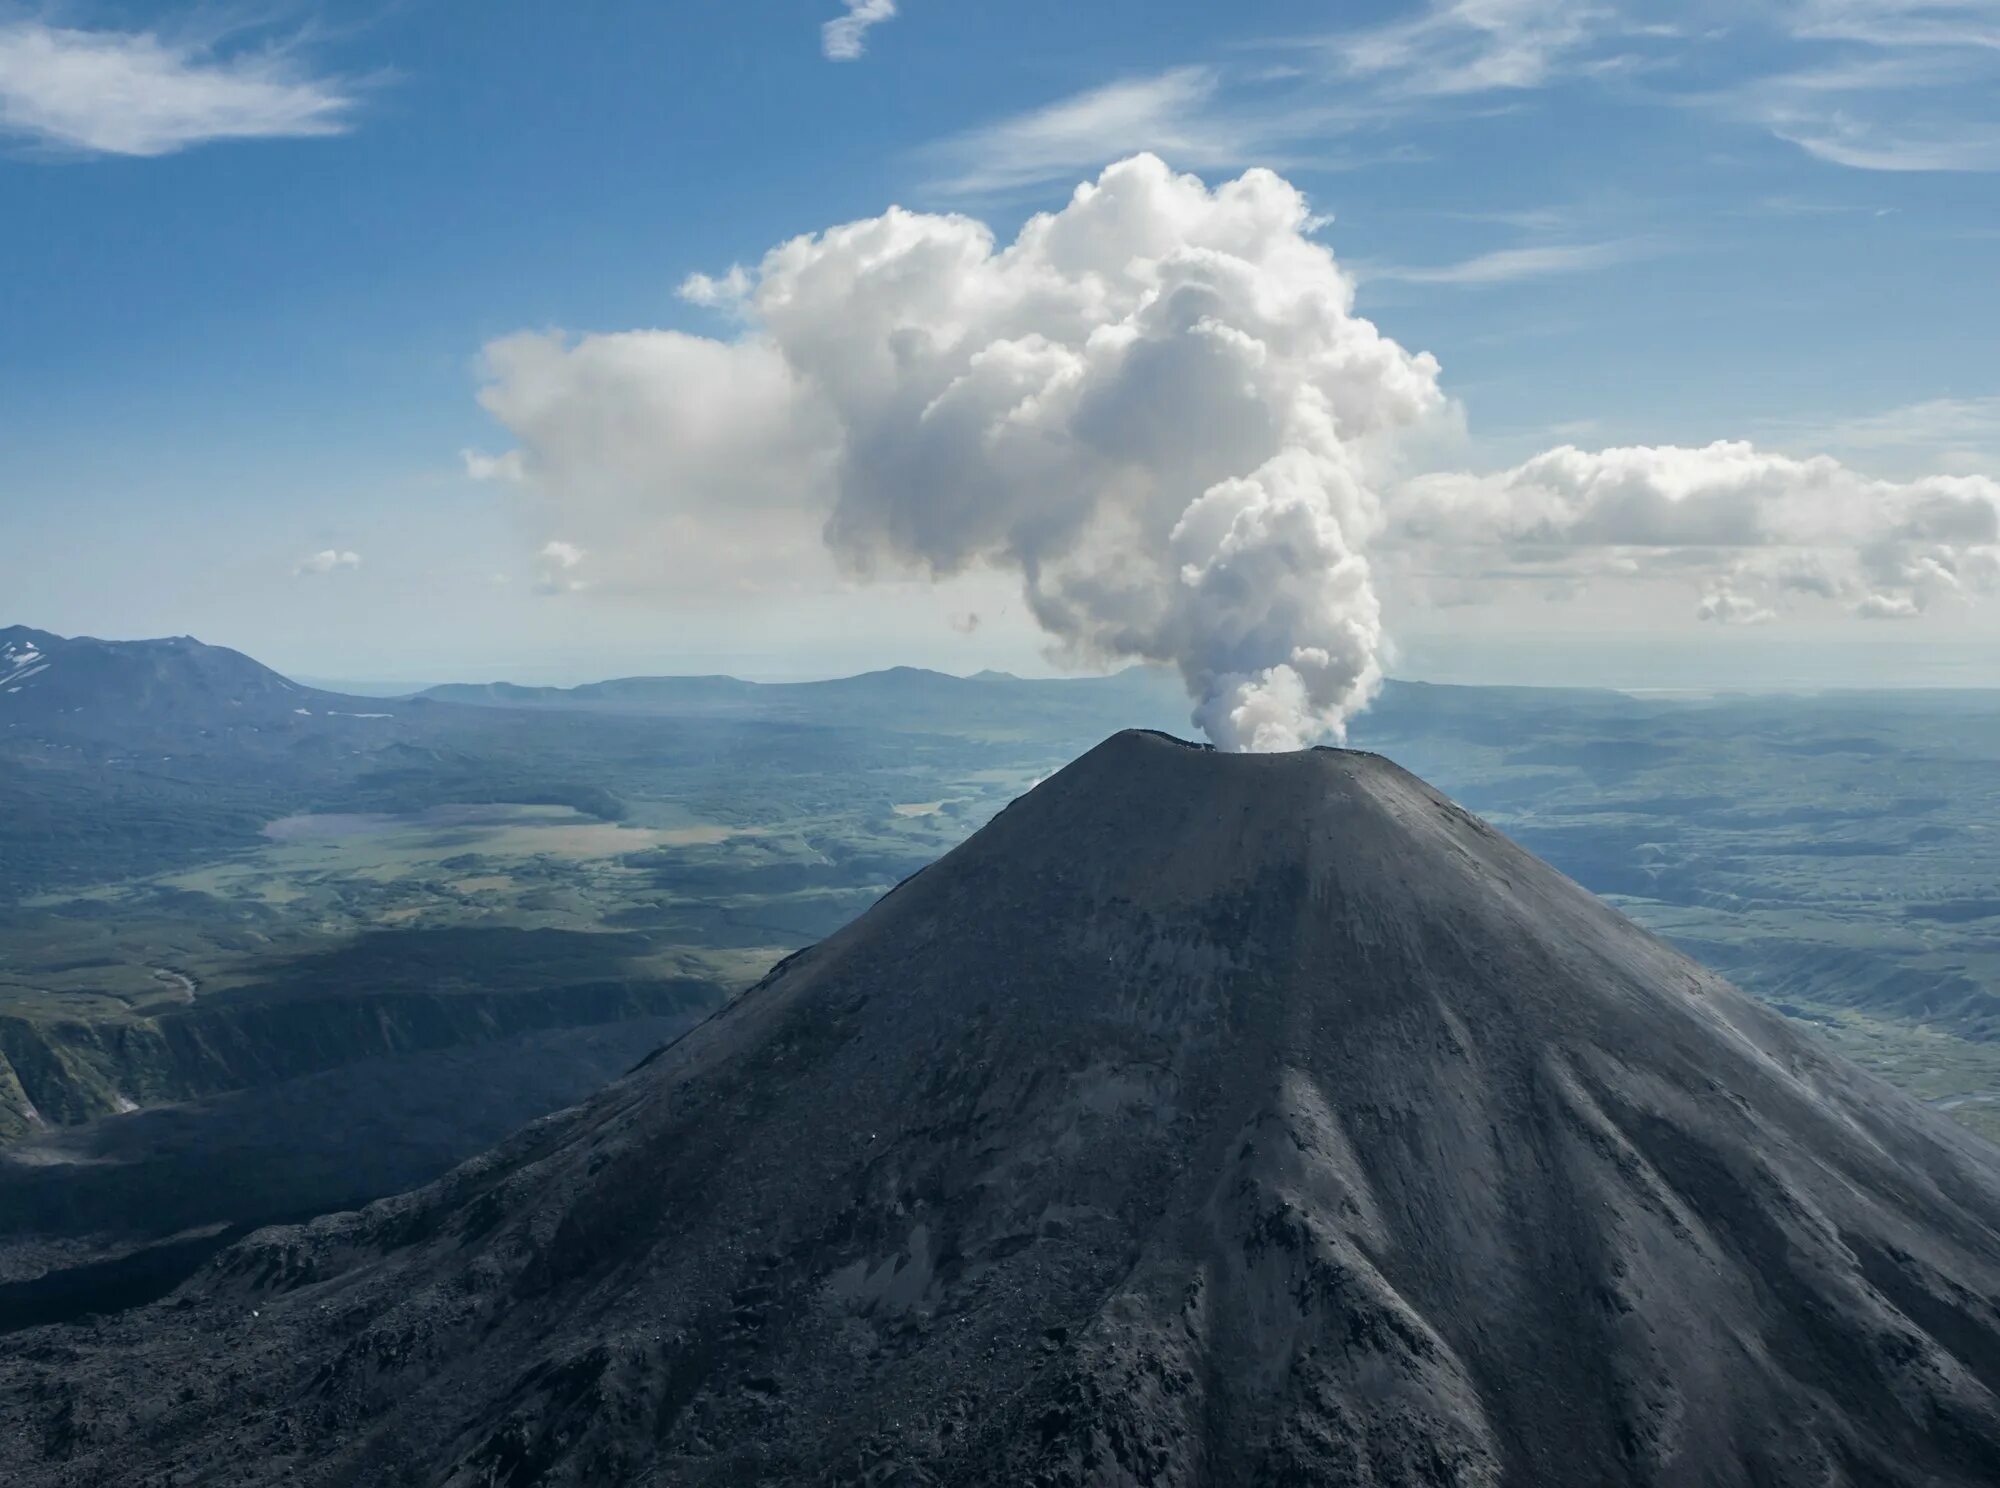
[(1152, 405), (1148, 404)]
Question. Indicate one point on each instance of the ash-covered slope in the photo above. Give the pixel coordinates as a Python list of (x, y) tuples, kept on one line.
[(1205, 1119)]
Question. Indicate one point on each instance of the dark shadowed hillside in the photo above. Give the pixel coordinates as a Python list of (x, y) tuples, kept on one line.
[(117, 687), (1204, 1119)]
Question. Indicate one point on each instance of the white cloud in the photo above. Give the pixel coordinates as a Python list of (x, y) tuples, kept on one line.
[(136, 93), (1888, 607), (1892, 108), (1950, 435), (1510, 264), (724, 293), (1457, 47), (1862, 145), (683, 463), (1203, 117), (556, 568), (505, 468), (328, 560), (1752, 527), (1900, 23), (1932, 422), (1156, 407), (1167, 114), (1726, 607), (1888, 85), (1881, 85), (844, 38)]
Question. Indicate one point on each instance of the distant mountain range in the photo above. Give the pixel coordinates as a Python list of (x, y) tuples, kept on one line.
[(675, 694), (915, 696), (83, 685), (901, 699), (80, 684), (46, 671), (44, 676)]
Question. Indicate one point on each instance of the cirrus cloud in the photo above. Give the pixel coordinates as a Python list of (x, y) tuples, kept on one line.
[(845, 38), (138, 93), (1876, 85)]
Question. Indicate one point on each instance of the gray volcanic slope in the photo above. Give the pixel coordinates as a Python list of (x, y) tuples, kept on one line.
[(1205, 1119)]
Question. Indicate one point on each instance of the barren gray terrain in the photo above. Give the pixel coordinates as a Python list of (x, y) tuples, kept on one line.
[(1203, 1119)]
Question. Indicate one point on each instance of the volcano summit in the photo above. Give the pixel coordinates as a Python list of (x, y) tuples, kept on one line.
[(1205, 1119)]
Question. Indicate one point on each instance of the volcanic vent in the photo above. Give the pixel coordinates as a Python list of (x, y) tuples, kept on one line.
[(1205, 1119)]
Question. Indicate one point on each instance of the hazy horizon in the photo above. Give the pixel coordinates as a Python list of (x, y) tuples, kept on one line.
[(1886, 666)]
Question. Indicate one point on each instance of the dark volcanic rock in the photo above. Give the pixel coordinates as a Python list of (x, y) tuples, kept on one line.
[(1204, 1120)]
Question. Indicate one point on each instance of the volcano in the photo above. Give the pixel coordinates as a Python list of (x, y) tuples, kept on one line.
[(1205, 1119)]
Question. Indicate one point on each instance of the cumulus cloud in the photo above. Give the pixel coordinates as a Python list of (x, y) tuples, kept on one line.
[(556, 568), (1888, 607), (723, 293), (326, 561), (480, 466), (1752, 525), (137, 93), (1726, 607), (844, 38), (686, 465), (1156, 406)]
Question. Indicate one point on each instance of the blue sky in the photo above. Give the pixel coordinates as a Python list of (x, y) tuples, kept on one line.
[(252, 256)]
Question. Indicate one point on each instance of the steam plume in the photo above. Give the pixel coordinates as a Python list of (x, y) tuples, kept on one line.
[(1154, 406)]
